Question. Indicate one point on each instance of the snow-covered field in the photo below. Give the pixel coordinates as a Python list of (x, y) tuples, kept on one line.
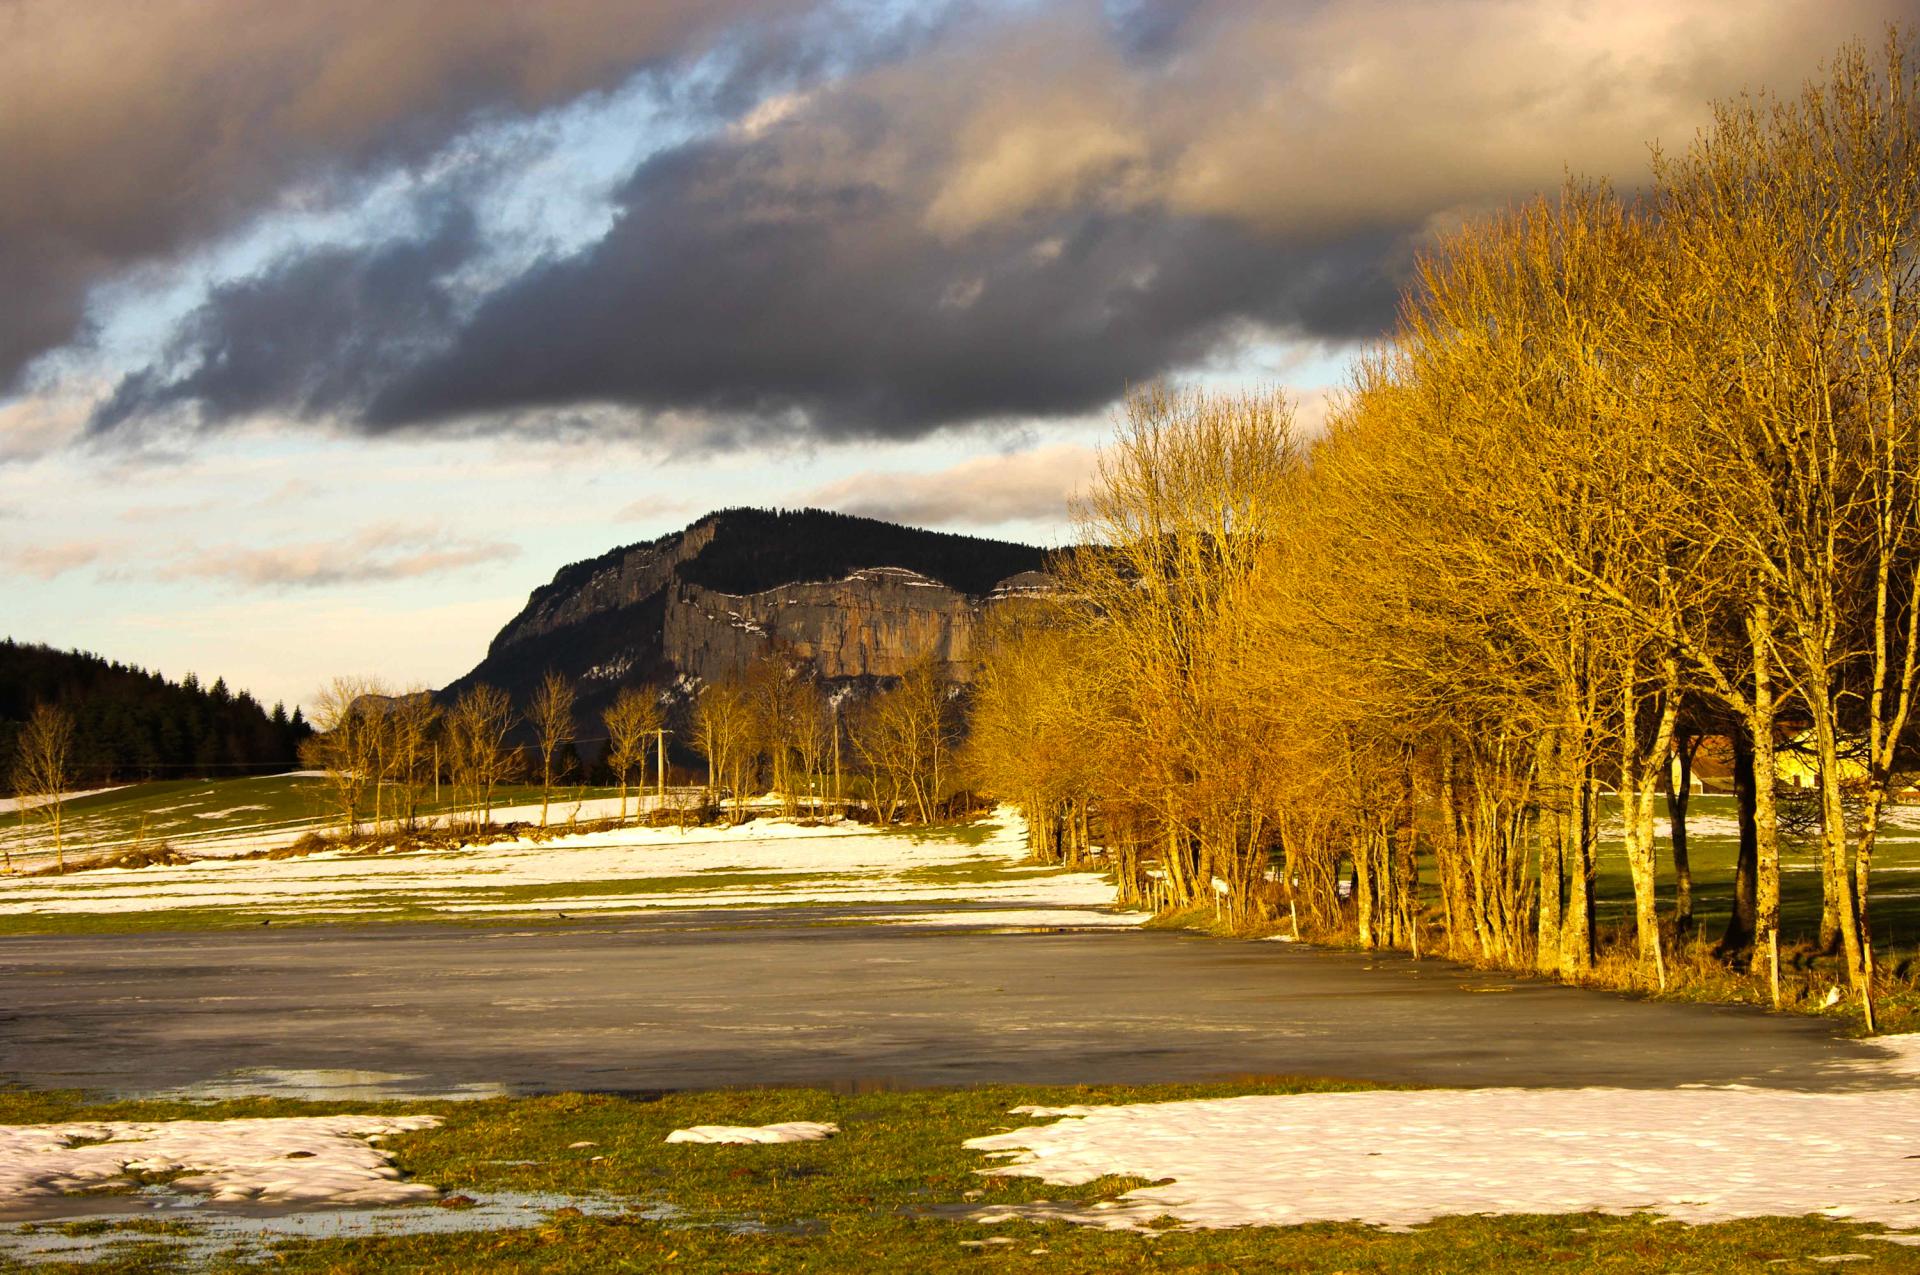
[(763, 863), (1400, 1159)]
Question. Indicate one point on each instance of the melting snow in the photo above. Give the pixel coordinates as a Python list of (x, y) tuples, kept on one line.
[(1400, 1159), (820, 863), (285, 1160), (791, 1131)]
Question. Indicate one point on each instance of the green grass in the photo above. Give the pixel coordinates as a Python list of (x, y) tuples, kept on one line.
[(979, 873), (971, 832), (170, 810), (1896, 889), (890, 1193), (183, 811)]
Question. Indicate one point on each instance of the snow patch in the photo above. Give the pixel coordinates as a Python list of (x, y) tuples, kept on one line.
[(12, 805), (1401, 1159), (281, 1160), (791, 1131), (1902, 1053), (222, 814)]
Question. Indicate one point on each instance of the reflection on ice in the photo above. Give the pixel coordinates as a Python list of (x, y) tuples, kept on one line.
[(328, 1085)]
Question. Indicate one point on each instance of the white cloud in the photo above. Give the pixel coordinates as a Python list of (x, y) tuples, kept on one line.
[(1027, 486), (374, 554), (46, 562)]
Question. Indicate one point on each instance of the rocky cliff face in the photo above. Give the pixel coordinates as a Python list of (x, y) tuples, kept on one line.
[(857, 599), (620, 579), (872, 623)]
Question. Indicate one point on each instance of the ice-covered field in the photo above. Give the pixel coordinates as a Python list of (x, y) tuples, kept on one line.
[(763, 863)]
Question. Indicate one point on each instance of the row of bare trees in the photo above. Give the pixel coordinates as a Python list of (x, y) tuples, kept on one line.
[(382, 753), (894, 750), (1629, 473), (1143, 691)]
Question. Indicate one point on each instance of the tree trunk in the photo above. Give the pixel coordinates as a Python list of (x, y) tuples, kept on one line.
[(1742, 917), (546, 785), (1556, 801), (1363, 886), (1834, 839), (1577, 931), (1679, 794), (1766, 841)]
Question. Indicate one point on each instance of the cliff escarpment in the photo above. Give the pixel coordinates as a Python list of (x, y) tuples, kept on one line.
[(856, 598)]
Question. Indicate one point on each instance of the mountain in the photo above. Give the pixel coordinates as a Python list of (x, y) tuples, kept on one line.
[(132, 724), (857, 597)]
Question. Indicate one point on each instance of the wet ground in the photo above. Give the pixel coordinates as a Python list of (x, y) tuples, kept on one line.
[(698, 1000), (192, 1232)]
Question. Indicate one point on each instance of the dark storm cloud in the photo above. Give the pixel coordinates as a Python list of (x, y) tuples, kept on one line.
[(726, 293), (312, 335), (131, 131)]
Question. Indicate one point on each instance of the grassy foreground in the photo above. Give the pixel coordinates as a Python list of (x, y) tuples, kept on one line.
[(888, 1193)]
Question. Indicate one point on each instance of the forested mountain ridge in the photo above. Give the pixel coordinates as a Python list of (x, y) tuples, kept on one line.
[(857, 597), (758, 549), (134, 724)]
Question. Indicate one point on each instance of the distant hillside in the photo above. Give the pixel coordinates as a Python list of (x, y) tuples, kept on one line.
[(856, 597), (132, 724)]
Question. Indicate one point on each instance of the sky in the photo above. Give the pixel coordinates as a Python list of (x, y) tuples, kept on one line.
[(331, 330)]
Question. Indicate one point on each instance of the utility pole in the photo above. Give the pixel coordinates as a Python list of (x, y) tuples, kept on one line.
[(839, 804), (660, 748)]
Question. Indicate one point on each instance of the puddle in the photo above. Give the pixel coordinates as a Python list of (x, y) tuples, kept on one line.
[(329, 1086), (194, 1231)]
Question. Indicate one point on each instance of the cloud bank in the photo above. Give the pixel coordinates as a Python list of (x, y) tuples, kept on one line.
[(993, 212)]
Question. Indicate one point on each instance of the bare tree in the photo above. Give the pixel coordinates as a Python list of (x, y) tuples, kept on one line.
[(811, 736), (479, 725), (413, 723), (774, 686), (345, 743), (723, 734), (43, 771), (551, 714), (1032, 732), (1182, 521), (632, 720), (873, 731)]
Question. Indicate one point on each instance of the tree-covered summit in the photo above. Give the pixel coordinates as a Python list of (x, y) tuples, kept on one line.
[(757, 549)]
